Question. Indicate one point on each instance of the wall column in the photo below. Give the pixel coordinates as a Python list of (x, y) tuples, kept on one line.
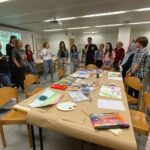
[(124, 36)]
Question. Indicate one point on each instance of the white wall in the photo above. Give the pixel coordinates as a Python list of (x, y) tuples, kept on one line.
[(54, 40), (81, 40)]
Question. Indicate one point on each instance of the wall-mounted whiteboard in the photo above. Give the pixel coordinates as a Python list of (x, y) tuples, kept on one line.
[(5, 37)]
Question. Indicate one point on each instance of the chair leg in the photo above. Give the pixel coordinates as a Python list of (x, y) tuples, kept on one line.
[(82, 145), (29, 135), (2, 136)]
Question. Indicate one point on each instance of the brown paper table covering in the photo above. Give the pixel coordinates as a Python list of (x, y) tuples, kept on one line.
[(77, 123)]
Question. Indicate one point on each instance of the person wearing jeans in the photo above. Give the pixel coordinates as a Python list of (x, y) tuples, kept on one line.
[(46, 55), (31, 64)]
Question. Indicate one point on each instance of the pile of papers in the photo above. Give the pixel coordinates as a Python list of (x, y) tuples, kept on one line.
[(110, 91), (111, 104), (114, 75), (81, 74)]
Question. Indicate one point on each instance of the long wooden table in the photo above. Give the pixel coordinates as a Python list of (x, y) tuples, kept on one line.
[(77, 124)]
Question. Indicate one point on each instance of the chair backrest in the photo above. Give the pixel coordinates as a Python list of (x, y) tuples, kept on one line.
[(6, 94), (132, 82), (61, 73), (30, 79), (146, 101), (91, 67)]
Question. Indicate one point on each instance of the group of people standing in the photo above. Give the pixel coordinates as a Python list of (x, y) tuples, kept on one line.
[(16, 63), (62, 55), (134, 63)]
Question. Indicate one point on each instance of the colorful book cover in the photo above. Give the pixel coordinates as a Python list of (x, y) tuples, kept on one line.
[(50, 98), (110, 91), (108, 121)]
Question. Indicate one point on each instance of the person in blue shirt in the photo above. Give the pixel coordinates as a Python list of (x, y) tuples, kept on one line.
[(127, 61), (74, 58), (99, 55)]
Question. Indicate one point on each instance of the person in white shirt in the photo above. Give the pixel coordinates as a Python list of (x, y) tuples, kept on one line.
[(46, 55)]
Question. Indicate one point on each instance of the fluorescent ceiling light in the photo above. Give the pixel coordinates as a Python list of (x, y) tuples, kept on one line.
[(90, 32), (143, 9), (2, 1), (76, 28), (136, 23), (108, 25), (61, 19), (104, 14), (53, 30)]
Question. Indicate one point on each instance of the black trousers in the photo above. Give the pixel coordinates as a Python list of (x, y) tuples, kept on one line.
[(99, 63)]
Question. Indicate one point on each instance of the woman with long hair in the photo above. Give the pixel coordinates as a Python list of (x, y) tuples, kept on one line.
[(109, 56), (63, 54), (31, 64), (74, 58), (9, 49)]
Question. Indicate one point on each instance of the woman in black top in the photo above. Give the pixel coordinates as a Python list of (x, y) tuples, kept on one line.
[(9, 48)]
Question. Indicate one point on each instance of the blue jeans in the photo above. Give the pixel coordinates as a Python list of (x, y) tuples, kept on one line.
[(73, 67), (31, 67), (48, 67), (5, 79)]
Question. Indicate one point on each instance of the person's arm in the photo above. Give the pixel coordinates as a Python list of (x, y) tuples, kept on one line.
[(113, 57), (86, 48), (14, 54), (136, 65), (67, 54), (95, 56), (122, 54), (58, 54), (16, 62)]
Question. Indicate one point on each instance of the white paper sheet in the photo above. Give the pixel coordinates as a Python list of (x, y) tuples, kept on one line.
[(111, 104)]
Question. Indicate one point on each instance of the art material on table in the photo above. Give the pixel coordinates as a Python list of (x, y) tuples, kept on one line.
[(58, 86), (111, 104), (48, 97), (77, 96), (66, 81), (115, 131), (66, 106), (114, 75), (108, 121), (110, 91), (84, 74)]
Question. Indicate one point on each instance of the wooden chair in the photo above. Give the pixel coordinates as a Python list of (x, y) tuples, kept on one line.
[(138, 118), (91, 67), (61, 73), (13, 117), (108, 69), (134, 83), (29, 80)]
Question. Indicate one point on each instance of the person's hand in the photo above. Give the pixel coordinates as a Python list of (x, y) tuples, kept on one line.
[(128, 73), (19, 66)]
